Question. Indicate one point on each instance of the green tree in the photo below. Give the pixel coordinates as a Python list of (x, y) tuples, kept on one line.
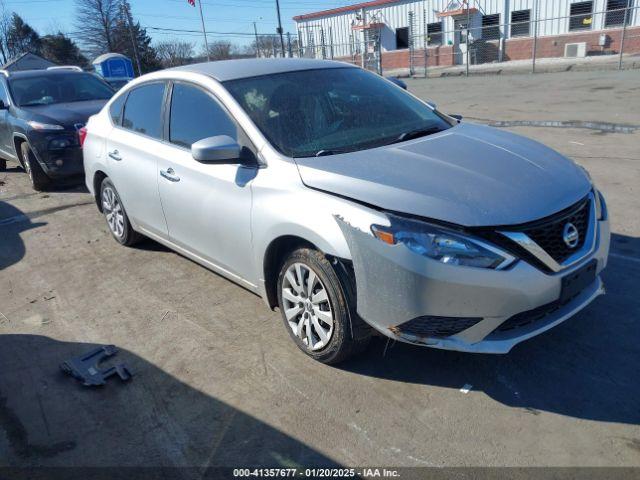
[(62, 50), (122, 43), (21, 38)]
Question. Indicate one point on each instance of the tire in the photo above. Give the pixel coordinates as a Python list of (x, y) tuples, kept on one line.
[(3, 164), (306, 310), (116, 216), (39, 179)]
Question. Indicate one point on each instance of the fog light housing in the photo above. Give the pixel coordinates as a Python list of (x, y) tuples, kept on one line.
[(59, 143)]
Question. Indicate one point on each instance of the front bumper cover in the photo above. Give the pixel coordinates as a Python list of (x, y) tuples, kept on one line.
[(395, 285)]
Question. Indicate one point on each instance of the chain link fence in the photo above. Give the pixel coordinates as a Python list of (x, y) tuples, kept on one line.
[(603, 39), (483, 43)]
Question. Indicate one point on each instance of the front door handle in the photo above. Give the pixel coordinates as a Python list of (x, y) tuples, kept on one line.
[(115, 155), (170, 175)]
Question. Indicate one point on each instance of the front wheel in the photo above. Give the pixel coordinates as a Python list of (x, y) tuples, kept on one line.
[(39, 179), (3, 164), (316, 310)]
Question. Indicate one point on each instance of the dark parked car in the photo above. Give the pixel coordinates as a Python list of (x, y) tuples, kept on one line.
[(41, 114)]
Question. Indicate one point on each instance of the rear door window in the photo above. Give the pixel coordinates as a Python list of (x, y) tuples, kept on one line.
[(143, 110)]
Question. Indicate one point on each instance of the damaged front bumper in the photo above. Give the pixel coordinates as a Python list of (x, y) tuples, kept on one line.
[(399, 293)]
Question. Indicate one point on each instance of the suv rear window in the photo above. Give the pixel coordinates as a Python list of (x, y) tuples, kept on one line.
[(143, 110)]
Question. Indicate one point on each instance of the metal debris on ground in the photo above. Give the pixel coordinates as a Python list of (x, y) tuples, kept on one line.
[(86, 367), (466, 388)]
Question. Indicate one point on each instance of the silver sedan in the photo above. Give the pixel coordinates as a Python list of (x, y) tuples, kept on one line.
[(349, 204)]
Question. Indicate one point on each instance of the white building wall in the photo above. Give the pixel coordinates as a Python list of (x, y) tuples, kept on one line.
[(553, 18)]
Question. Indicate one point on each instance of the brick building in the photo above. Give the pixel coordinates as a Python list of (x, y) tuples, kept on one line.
[(449, 32)]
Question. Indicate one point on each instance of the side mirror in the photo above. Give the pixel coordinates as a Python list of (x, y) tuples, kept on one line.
[(457, 117), (432, 105), (398, 82), (218, 149)]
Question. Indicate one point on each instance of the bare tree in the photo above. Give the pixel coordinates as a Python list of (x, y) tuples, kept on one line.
[(266, 45), (173, 53), (221, 50), (96, 21), (5, 25)]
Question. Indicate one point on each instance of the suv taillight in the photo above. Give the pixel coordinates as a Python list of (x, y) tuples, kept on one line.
[(82, 134)]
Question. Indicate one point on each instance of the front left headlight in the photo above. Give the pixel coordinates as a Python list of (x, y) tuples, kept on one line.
[(441, 244)]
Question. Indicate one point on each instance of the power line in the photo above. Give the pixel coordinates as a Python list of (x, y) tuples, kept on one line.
[(212, 32)]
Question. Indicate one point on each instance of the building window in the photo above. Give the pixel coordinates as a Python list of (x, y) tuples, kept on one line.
[(491, 27), (434, 33), (616, 13), (581, 17), (402, 38), (520, 23)]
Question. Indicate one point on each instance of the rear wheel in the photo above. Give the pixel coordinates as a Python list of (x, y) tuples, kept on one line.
[(3, 165), (316, 308), (39, 179), (116, 216)]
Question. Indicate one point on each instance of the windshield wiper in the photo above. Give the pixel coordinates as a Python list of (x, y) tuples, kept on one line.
[(323, 153), (418, 132)]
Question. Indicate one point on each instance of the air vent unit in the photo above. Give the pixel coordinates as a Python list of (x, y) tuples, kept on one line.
[(573, 50)]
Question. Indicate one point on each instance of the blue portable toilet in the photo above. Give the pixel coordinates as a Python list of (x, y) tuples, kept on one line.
[(114, 66)]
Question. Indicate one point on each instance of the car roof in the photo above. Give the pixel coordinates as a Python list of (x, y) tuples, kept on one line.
[(224, 70), (40, 73)]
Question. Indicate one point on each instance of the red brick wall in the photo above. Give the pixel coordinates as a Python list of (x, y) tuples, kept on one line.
[(437, 56), (522, 48)]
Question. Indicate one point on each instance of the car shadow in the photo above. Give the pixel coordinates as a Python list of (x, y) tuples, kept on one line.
[(12, 223), (587, 367), (48, 419), (73, 184)]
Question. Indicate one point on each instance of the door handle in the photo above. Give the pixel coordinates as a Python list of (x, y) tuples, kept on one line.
[(170, 175), (115, 155)]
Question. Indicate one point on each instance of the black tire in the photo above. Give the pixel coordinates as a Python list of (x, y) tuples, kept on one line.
[(124, 233), (3, 164), (350, 333), (39, 179)]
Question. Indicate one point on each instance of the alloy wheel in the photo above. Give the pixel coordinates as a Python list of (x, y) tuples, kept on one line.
[(113, 212), (306, 306)]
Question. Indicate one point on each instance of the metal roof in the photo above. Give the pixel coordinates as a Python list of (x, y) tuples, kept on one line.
[(253, 67), (348, 8)]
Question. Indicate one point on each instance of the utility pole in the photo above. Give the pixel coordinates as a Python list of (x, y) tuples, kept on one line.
[(468, 39), (255, 30), (279, 30), (204, 31), (127, 14)]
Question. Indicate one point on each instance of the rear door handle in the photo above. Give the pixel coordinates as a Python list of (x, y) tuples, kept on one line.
[(170, 175), (115, 155)]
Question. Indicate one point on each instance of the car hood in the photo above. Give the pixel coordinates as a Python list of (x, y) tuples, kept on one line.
[(470, 175), (65, 114)]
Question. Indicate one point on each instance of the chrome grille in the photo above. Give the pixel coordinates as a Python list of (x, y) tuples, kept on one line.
[(549, 235)]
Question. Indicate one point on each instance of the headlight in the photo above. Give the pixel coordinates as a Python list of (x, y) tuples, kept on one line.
[(441, 244), (44, 126), (601, 206)]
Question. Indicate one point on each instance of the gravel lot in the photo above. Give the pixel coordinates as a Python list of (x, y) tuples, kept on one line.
[(217, 380)]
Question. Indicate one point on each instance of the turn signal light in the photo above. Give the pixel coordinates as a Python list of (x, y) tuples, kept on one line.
[(384, 235)]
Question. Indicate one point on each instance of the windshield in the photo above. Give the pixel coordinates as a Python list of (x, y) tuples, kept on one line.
[(335, 110), (47, 89)]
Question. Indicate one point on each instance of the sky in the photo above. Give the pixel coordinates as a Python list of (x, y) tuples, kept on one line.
[(233, 18)]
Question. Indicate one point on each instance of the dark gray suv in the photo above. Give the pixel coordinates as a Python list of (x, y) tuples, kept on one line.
[(41, 114)]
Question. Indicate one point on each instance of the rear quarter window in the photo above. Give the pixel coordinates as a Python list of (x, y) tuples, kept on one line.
[(115, 109)]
